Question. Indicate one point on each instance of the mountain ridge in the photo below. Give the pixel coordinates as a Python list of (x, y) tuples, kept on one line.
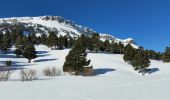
[(43, 24)]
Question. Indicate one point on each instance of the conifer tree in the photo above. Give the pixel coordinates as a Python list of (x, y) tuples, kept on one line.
[(29, 52), (60, 43), (51, 40), (166, 55), (5, 43), (141, 61), (19, 46), (76, 59), (115, 48), (43, 38), (129, 53), (70, 42), (32, 38), (15, 33), (121, 48), (24, 41), (95, 41), (18, 52), (106, 45), (65, 40)]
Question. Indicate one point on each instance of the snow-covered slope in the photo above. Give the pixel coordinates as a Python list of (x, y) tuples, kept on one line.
[(54, 23), (131, 41), (114, 79), (43, 24)]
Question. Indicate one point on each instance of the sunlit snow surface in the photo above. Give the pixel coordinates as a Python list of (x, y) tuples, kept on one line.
[(114, 80)]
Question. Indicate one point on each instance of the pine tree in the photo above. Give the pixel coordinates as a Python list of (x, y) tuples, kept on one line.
[(15, 33), (76, 59), (153, 54), (65, 40), (129, 53), (95, 42), (166, 55), (43, 38), (29, 52), (115, 48), (106, 45), (5, 43), (141, 61), (121, 48), (32, 38), (18, 52), (60, 43), (51, 40), (24, 41), (70, 42)]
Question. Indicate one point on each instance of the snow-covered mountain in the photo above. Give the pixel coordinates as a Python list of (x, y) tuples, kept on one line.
[(43, 24)]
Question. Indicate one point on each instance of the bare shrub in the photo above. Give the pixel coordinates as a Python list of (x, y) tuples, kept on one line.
[(55, 71), (5, 74), (52, 72), (28, 75)]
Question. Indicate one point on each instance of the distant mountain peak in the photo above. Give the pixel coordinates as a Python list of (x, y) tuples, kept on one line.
[(43, 24)]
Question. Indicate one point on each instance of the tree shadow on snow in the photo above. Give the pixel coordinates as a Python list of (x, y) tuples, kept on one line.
[(43, 60), (14, 66), (102, 71), (42, 52), (43, 55), (152, 70), (7, 56)]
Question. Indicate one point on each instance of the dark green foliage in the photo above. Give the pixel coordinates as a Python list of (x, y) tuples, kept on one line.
[(60, 43), (51, 40), (141, 61), (71, 42), (15, 33), (19, 42), (137, 57), (43, 38), (29, 52), (31, 38), (166, 55), (8, 63), (117, 48), (106, 46), (66, 44), (18, 52), (121, 48), (95, 42), (76, 59), (129, 53), (153, 54), (6, 43)]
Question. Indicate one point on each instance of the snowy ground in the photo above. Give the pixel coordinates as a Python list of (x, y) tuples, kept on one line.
[(114, 80)]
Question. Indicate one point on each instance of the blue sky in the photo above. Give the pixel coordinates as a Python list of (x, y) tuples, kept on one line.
[(147, 21)]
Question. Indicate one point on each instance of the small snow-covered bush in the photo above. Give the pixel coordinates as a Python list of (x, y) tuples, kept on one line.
[(47, 72), (28, 75), (52, 72)]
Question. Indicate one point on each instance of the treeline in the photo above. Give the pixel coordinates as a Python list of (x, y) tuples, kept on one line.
[(53, 41), (139, 58)]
